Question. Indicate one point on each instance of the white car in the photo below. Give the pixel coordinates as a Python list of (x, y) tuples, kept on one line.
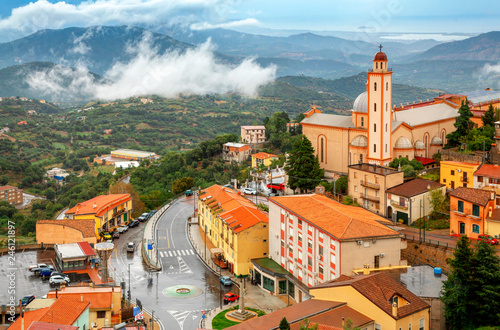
[(122, 229), (249, 191), (57, 279)]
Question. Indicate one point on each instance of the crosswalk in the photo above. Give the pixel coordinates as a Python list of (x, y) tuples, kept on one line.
[(176, 253), (180, 317)]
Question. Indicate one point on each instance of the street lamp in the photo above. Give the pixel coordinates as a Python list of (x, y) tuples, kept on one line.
[(129, 297)]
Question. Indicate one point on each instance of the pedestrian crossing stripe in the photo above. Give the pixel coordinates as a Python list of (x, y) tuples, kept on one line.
[(176, 253), (183, 267), (180, 317)]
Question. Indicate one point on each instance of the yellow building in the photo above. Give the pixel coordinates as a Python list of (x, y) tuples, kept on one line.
[(457, 174), (263, 158), (377, 131), (380, 298), (236, 228), (108, 211)]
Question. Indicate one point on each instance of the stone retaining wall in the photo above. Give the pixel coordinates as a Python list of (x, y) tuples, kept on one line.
[(418, 253)]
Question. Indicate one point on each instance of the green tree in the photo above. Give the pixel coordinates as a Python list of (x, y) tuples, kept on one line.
[(50, 193), (488, 118), (348, 325), (456, 292), (440, 204), (463, 125), (302, 167), (409, 171), (182, 184), (284, 325), (486, 289)]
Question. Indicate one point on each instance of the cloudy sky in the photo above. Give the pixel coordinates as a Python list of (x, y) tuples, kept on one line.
[(22, 17)]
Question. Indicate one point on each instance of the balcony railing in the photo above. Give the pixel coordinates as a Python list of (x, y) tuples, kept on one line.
[(370, 184), (401, 206), (370, 197), (464, 179)]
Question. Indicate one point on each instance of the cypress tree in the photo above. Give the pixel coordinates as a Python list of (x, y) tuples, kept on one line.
[(489, 117), (462, 123), (284, 325)]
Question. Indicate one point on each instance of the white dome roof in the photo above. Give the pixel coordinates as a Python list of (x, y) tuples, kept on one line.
[(403, 143), (361, 103), (419, 145), (359, 141), (436, 140)]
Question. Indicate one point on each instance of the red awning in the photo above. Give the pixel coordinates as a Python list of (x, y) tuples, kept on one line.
[(86, 249), (281, 186)]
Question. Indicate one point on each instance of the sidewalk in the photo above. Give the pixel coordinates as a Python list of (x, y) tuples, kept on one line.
[(255, 297), (148, 235)]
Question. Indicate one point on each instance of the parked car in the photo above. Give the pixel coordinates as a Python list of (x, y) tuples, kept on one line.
[(46, 272), (226, 280), (142, 217), (228, 297), (122, 229), (133, 224), (27, 299), (249, 191), (228, 185), (106, 235), (189, 193), (58, 279), (130, 247), (116, 234), (488, 239), (151, 213), (39, 267), (59, 274)]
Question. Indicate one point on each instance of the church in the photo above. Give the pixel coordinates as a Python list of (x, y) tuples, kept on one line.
[(377, 131)]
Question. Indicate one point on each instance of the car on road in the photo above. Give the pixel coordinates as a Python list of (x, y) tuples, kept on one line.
[(27, 299), (58, 279), (116, 234), (249, 191), (229, 297), (228, 185), (142, 217), (105, 235), (122, 229), (130, 247), (133, 224), (488, 239), (189, 193), (226, 280)]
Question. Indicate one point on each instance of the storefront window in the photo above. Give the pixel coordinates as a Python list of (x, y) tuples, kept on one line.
[(268, 284), (258, 278), (291, 289)]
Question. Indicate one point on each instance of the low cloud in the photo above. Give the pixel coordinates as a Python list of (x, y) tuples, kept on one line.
[(228, 25), (170, 74), (42, 14), (488, 76)]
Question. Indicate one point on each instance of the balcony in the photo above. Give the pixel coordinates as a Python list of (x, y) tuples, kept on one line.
[(370, 184), (399, 205), (464, 179), (117, 213), (370, 197)]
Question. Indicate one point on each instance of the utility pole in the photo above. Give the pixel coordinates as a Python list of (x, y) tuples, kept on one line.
[(129, 297)]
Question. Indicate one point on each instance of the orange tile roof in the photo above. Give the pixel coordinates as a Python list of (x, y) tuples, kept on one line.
[(6, 187), (344, 222), (100, 299), (66, 310), (50, 326), (379, 288), (85, 226), (29, 318), (490, 171), (243, 217), (103, 203), (476, 196), (263, 155)]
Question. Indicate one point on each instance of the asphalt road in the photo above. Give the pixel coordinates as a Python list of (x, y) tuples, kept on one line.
[(182, 269)]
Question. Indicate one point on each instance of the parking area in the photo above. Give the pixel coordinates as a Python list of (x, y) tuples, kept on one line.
[(25, 282)]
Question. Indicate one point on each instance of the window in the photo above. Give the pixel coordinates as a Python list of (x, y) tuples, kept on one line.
[(386, 107), (300, 237), (395, 300), (386, 147), (378, 326), (309, 244), (386, 128), (375, 86), (375, 107), (322, 151), (452, 172), (320, 270), (101, 314), (421, 324), (376, 65), (386, 86), (356, 188), (374, 127), (475, 228), (320, 250), (475, 210), (361, 158), (300, 222), (460, 206), (362, 121), (409, 326), (309, 261), (374, 148), (479, 179)]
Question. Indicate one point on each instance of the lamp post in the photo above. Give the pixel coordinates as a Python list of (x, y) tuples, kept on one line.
[(129, 295)]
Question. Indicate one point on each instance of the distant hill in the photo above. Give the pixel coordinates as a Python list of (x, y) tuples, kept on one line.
[(484, 47), (351, 87)]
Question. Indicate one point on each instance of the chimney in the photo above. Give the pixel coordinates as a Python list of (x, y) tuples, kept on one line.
[(394, 309), (95, 204), (366, 271), (343, 323)]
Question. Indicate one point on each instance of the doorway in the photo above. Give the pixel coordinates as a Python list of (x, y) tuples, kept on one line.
[(376, 262), (462, 228)]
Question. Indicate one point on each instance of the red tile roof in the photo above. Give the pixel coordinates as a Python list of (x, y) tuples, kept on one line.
[(86, 249), (490, 171), (413, 187), (102, 204), (476, 196), (85, 226), (6, 187), (98, 299), (243, 217), (332, 320), (263, 155), (425, 161), (50, 326), (66, 310), (29, 318), (379, 288), (344, 222)]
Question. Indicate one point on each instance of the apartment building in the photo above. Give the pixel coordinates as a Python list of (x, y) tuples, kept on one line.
[(253, 134), (236, 152), (12, 195)]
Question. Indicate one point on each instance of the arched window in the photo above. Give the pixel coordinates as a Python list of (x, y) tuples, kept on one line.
[(374, 127), (375, 107), (322, 150), (375, 86), (362, 121), (426, 143), (443, 136), (386, 86), (374, 148), (475, 228)]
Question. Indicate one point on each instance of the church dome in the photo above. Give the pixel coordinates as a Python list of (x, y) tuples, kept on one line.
[(359, 141), (403, 143), (419, 145), (380, 56), (436, 141), (361, 103)]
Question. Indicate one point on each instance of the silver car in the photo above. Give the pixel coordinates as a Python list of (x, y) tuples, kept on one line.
[(57, 279)]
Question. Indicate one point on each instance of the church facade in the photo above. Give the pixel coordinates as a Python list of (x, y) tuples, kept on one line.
[(377, 131)]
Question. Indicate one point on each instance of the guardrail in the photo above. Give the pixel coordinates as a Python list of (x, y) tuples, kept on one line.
[(427, 241), (23, 247)]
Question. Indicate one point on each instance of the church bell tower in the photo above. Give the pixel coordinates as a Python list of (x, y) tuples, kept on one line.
[(379, 88)]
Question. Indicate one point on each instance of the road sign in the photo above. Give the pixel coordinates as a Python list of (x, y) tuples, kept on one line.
[(203, 316), (203, 312)]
